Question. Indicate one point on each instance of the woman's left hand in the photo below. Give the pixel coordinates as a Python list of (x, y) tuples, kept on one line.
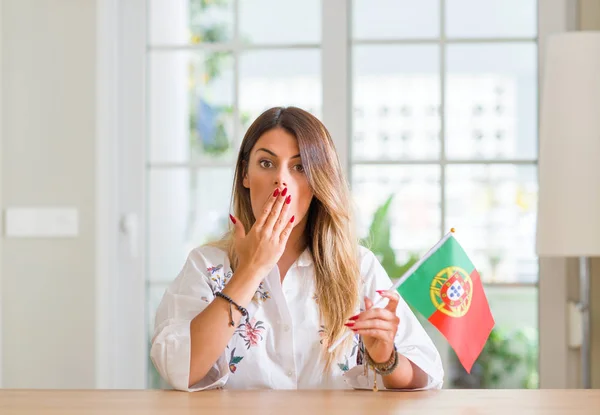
[(378, 327)]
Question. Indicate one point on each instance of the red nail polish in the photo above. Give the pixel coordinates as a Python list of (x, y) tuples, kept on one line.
[(284, 192), (292, 220), (276, 193), (354, 317), (232, 219), (349, 324), (379, 291), (288, 199)]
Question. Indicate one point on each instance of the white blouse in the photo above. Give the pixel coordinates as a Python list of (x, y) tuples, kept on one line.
[(281, 346)]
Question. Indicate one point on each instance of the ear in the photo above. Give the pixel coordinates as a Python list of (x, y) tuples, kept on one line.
[(245, 181)]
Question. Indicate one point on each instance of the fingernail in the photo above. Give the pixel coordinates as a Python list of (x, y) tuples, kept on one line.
[(354, 317), (288, 199), (349, 324), (292, 220), (276, 192), (284, 192), (232, 218), (379, 291)]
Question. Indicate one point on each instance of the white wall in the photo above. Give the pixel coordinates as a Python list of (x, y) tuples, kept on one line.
[(47, 159)]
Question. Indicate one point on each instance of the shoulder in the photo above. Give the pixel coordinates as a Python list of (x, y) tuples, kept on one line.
[(206, 260), (367, 259), (208, 253), (373, 275), (204, 265)]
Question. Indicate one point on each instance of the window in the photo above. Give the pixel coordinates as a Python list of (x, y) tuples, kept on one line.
[(443, 117), (214, 66), (444, 97)]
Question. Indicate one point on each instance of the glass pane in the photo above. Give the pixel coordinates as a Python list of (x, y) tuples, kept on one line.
[(493, 208), (510, 358), (396, 102), (271, 78), (491, 18), (414, 213), (178, 22), (190, 106), (185, 210), (491, 101), (395, 19), (280, 22)]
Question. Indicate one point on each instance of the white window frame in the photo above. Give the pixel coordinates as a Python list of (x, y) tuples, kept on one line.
[(121, 355)]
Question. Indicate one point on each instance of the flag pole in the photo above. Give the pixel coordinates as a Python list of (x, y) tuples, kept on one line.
[(399, 282)]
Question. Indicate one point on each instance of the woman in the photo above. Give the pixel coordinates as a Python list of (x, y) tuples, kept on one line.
[(259, 308)]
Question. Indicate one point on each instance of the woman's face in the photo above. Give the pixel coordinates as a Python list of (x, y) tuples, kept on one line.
[(275, 163)]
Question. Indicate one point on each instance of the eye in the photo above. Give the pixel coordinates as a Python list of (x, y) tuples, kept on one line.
[(299, 168), (265, 164)]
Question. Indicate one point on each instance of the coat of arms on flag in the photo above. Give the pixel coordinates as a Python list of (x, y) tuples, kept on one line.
[(451, 291)]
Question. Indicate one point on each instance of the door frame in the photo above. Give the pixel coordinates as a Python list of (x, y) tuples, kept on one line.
[(1, 200), (554, 16), (121, 356)]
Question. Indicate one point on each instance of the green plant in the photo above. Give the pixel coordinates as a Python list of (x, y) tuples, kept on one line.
[(208, 121), (379, 242), (508, 360)]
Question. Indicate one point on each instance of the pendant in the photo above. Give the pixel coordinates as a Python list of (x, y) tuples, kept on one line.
[(374, 380)]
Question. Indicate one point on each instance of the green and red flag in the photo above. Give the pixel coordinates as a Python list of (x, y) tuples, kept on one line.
[(445, 287)]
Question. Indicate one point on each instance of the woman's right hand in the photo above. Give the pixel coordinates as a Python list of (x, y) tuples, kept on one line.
[(260, 250)]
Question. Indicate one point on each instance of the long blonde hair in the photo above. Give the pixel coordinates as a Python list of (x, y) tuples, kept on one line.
[(329, 232)]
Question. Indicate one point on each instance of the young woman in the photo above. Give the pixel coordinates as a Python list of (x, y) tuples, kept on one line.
[(259, 308)]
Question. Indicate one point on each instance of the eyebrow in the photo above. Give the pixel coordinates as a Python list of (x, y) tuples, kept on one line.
[(273, 154)]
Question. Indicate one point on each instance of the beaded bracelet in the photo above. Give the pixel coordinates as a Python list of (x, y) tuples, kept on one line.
[(384, 368), (231, 302)]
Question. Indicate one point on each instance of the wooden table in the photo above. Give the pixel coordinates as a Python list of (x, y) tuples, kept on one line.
[(444, 402)]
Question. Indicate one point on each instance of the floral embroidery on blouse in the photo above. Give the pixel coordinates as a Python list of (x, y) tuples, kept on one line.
[(262, 294), (322, 334), (359, 349), (218, 278), (212, 270), (344, 367), (359, 346), (234, 361), (251, 332)]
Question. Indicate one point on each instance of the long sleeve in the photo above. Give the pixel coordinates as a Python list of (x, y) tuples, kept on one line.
[(412, 341), (184, 299)]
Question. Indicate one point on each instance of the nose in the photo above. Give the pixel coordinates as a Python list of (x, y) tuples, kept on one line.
[(280, 178)]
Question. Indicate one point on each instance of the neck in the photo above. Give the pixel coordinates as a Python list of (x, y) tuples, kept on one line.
[(297, 241), (296, 244)]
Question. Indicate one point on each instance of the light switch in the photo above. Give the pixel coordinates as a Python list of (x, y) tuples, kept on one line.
[(41, 222)]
